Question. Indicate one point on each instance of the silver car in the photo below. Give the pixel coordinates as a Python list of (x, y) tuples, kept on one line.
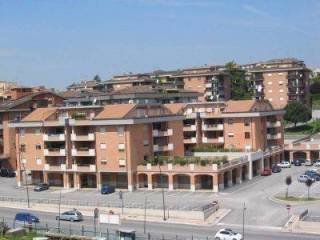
[(71, 216)]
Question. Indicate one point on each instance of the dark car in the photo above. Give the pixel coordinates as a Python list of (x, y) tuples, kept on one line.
[(312, 174), (276, 169), (297, 162), (7, 172), (41, 187), (26, 218), (266, 172), (106, 189)]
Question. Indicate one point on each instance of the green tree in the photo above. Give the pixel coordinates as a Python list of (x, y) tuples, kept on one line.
[(288, 183), (240, 88), (315, 79), (97, 78), (315, 126), (297, 112)]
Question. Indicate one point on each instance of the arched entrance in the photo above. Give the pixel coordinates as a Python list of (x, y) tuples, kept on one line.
[(181, 181), (143, 180), (204, 182), (160, 181)]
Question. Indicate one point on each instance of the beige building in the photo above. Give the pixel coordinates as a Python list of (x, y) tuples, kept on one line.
[(199, 145)]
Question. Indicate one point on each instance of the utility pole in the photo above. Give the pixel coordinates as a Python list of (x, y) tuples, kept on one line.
[(59, 211), (163, 203), (145, 215), (243, 211)]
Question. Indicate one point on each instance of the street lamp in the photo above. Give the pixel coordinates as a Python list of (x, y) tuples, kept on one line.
[(163, 203), (243, 211), (26, 183), (59, 211)]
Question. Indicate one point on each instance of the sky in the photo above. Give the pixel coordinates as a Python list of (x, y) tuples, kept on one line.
[(58, 42)]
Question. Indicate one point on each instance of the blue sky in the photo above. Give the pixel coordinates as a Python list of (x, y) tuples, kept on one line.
[(57, 42)]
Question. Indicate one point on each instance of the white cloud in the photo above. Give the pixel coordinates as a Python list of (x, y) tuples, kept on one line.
[(254, 10)]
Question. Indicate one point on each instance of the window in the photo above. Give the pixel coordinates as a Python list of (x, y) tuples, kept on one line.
[(280, 82), (103, 162), (145, 142), (247, 122), (103, 146), (230, 121), (23, 161), (122, 163), (281, 99), (22, 148), (22, 132), (37, 131), (269, 74), (280, 73), (270, 91), (120, 130), (102, 130), (231, 135), (38, 161), (270, 99), (269, 83), (281, 90), (38, 146), (121, 147), (247, 135)]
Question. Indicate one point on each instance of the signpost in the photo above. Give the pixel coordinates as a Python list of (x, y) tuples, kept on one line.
[(121, 198), (95, 217), (288, 207)]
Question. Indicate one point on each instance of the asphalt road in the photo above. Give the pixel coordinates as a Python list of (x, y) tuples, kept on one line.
[(169, 231)]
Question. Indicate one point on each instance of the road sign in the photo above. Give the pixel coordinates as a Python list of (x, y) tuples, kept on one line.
[(96, 213), (288, 206)]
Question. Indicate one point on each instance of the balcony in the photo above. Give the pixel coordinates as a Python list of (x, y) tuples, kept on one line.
[(55, 152), (163, 148), (190, 140), (85, 152), (88, 137), (189, 128), (274, 136), (273, 124), (212, 127), (54, 137), (84, 168), (49, 167), (213, 140), (162, 133)]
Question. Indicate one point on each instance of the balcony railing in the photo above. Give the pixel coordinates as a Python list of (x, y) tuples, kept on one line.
[(83, 152), (54, 152), (54, 137), (49, 167), (274, 124), (88, 137), (212, 127), (163, 148), (84, 168), (213, 140), (190, 140), (274, 136), (160, 133), (189, 128)]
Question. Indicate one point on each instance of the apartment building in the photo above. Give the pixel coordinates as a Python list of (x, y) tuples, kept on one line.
[(15, 109), (136, 94), (5, 89), (120, 145), (280, 81)]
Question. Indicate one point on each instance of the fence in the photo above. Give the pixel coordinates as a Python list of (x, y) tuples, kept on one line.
[(76, 231)]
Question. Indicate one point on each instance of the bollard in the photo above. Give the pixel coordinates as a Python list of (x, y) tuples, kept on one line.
[(149, 236), (47, 227), (82, 230)]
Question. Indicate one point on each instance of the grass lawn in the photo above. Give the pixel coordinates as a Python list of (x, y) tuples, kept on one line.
[(296, 199)]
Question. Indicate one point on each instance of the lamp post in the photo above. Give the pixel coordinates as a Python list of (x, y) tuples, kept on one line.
[(243, 211), (59, 211), (163, 203), (26, 183)]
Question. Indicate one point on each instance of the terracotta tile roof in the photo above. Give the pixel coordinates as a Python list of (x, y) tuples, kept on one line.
[(175, 108), (115, 111), (40, 114), (247, 106)]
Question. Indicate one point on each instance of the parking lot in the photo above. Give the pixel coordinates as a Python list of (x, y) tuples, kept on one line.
[(257, 194)]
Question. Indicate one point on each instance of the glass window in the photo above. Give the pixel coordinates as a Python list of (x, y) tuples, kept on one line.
[(247, 135)]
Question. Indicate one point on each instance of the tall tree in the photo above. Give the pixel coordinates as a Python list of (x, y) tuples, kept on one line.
[(240, 87), (297, 112), (97, 78)]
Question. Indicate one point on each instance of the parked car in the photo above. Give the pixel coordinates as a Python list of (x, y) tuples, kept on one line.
[(106, 189), (41, 187), (7, 172), (26, 218), (266, 172), (297, 162), (284, 164), (304, 178), (227, 234), (308, 163), (276, 169), (317, 163), (312, 174), (71, 216)]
